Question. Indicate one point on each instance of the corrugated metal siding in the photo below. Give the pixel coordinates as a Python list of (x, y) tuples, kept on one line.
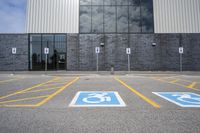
[(52, 16), (177, 16)]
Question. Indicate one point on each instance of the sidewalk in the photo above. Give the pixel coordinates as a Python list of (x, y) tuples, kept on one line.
[(82, 73)]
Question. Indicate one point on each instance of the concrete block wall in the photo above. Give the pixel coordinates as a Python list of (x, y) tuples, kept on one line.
[(7, 41)]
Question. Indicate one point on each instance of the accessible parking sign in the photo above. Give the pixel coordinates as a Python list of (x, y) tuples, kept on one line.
[(183, 99), (97, 99)]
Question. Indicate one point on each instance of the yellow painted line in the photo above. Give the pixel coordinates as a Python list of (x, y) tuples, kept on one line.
[(192, 85), (23, 99), (52, 84), (19, 105), (40, 90), (57, 92), (9, 80), (179, 85), (28, 89), (151, 102), (174, 81)]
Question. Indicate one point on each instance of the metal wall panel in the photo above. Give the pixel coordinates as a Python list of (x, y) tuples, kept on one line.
[(177, 16), (52, 16)]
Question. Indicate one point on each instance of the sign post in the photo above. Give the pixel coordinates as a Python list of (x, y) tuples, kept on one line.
[(46, 52), (14, 51), (97, 51), (181, 58), (128, 52)]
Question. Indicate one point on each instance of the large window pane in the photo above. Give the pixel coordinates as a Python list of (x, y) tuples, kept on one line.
[(122, 19), (85, 2), (85, 19), (35, 55), (110, 19), (97, 19), (60, 38), (147, 16), (134, 19), (134, 2), (122, 2), (97, 2), (110, 2)]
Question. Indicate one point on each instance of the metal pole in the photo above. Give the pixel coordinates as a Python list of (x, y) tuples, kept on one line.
[(46, 64), (13, 64), (97, 62), (129, 68), (181, 66)]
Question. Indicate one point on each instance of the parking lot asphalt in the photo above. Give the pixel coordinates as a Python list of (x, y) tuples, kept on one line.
[(40, 104)]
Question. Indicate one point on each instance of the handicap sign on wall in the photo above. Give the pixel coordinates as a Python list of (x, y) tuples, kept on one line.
[(183, 99), (97, 99)]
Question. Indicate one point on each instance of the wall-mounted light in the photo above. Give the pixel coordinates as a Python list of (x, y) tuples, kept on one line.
[(153, 44), (102, 44)]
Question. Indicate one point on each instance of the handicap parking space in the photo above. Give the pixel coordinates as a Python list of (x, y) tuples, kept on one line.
[(147, 86)]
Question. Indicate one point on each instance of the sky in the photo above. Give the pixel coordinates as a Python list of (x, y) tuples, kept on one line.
[(12, 16)]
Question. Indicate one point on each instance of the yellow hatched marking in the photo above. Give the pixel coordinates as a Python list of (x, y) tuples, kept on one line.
[(174, 81), (151, 102), (5, 81), (57, 92), (28, 89), (40, 90), (52, 84), (192, 85), (23, 99)]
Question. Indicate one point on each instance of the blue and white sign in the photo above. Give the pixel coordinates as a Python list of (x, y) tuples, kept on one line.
[(183, 99), (97, 99)]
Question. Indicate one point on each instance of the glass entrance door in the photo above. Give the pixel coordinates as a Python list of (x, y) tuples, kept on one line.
[(61, 61), (56, 59)]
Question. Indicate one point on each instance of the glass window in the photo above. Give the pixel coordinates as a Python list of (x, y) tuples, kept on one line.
[(134, 2), (122, 2), (35, 55), (60, 38), (85, 19), (147, 16), (134, 19), (110, 2), (97, 19), (85, 2), (97, 2), (110, 19), (35, 38), (122, 19)]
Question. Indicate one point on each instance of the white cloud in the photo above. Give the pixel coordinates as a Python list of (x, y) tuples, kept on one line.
[(12, 16)]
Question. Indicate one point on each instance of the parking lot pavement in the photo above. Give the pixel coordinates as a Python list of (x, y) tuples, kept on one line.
[(102, 104)]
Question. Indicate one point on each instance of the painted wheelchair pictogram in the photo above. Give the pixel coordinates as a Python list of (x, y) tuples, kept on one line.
[(187, 98), (97, 98)]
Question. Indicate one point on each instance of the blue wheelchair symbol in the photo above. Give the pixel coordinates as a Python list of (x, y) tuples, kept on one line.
[(97, 99), (183, 99)]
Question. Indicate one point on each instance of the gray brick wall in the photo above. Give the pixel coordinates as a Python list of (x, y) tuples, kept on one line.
[(7, 41), (81, 51), (164, 56)]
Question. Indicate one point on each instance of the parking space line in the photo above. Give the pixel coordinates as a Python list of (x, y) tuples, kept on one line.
[(9, 80), (174, 81), (192, 85), (52, 84), (151, 102), (57, 92), (23, 99), (30, 88), (40, 90)]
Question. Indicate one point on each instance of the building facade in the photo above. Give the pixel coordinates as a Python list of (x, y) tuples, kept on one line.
[(72, 29)]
